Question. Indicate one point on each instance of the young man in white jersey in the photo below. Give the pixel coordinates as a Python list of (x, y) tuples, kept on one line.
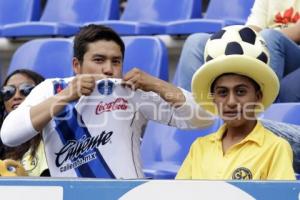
[(91, 126)]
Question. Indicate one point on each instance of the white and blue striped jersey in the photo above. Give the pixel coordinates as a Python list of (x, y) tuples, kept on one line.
[(99, 135)]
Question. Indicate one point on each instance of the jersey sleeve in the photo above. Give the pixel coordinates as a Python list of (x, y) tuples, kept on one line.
[(17, 127), (191, 115), (281, 167), (259, 14)]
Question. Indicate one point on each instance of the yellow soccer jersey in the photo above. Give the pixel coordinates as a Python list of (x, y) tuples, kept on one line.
[(261, 156), (36, 165)]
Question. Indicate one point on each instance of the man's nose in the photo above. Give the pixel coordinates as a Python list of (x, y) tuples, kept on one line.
[(108, 69), (232, 101)]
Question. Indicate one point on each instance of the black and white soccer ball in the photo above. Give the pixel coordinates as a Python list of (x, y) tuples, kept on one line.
[(236, 40)]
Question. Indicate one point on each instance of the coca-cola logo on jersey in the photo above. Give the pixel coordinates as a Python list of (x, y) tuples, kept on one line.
[(118, 104), (74, 149)]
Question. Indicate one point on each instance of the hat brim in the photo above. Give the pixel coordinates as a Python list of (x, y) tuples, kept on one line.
[(237, 64)]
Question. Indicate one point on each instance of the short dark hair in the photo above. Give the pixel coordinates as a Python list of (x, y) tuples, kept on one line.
[(92, 33), (254, 83)]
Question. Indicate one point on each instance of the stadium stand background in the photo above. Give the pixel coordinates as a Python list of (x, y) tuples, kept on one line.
[(174, 45)]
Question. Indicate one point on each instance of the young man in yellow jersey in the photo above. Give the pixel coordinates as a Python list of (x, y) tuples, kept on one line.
[(237, 83)]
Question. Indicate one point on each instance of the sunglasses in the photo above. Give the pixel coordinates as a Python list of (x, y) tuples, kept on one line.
[(7, 92)]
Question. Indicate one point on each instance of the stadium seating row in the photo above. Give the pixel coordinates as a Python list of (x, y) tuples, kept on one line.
[(53, 57), (140, 17)]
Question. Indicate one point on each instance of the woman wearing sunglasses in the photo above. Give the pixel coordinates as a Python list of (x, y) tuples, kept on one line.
[(13, 92)]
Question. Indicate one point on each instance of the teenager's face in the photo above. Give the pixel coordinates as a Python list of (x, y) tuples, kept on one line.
[(235, 97), (19, 82), (101, 57)]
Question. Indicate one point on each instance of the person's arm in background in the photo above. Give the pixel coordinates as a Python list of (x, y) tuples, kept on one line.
[(180, 110), (293, 32)]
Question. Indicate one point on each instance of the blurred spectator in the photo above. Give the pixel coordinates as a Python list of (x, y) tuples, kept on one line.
[(13, 92)]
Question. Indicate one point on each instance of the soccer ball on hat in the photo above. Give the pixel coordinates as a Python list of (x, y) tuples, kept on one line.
[(237, 50), (236, 40)]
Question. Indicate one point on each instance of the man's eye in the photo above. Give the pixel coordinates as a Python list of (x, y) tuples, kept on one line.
[(98, 59), (222, 92), (241, 92), (117, 61)]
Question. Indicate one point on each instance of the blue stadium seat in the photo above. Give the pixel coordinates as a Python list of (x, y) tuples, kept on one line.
[(52, 57), (64, 17), (283, 112), (146, 17), (164, 148), (147, 53), (219, 14), (16, 11), (49, 57)]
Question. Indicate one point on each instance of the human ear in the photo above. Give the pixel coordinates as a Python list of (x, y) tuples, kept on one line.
[(76, 65)]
